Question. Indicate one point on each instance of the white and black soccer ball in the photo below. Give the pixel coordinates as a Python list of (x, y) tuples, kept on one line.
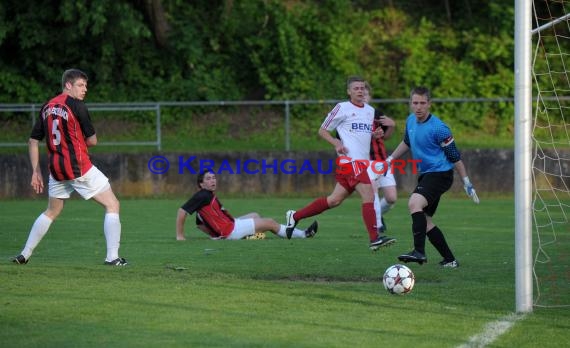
[(398, 279)]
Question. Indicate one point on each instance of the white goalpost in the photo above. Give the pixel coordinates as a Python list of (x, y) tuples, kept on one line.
[(542, 153), (523, 151)]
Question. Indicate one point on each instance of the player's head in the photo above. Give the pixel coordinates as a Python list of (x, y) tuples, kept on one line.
[(356, 89), (420, 102), (421, 90), (207, 180), (74, 83)]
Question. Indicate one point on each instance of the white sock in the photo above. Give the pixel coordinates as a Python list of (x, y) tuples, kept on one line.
[(378, 210), (385, 206), (297, 233), (112, 229), (282, 233), (38, 231)]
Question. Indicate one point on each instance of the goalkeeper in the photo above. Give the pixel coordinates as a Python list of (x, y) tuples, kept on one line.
[(218, 223), (432, 144)]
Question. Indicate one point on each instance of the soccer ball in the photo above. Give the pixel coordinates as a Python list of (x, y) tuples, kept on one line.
[(398, 279)]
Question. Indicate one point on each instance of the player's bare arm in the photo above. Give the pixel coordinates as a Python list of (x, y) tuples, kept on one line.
[(399, 151), (460, 167), (180, 220), (92, 140), (390, 125), (337, 143), (37, 181)]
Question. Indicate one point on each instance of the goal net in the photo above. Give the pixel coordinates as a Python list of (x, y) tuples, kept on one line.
[(551, 152)]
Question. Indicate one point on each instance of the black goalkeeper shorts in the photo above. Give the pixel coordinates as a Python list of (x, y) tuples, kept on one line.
[(432, 186)]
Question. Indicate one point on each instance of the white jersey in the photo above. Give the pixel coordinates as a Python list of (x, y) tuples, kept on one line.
[(354, 126)]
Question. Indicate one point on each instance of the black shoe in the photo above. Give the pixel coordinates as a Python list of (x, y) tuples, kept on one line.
[(449, 264), (380, 242), (290, 223), (20, 260), (312, 230), (413, 256), (117, 262)]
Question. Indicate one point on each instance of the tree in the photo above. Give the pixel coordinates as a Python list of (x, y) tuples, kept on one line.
[(155, 18)]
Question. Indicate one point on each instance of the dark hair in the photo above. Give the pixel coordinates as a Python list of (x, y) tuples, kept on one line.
[(421, 91), (70, 75), (352, 79), (200, 178)]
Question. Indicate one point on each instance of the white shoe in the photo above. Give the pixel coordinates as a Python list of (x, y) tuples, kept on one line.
[(290, 223)]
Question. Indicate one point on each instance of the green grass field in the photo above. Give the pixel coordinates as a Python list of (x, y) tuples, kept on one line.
[(321, 292)]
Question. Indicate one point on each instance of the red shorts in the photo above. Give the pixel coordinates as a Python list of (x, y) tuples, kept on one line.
[(351, 174)]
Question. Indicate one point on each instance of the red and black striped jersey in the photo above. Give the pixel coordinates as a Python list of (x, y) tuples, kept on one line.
[(377, 147), (211, 211), (65, 123)]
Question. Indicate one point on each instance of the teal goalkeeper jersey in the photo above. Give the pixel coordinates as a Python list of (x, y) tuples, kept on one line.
[(426, 141)]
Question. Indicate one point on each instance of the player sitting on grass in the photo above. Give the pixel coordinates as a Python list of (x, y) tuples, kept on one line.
[(217, 222)]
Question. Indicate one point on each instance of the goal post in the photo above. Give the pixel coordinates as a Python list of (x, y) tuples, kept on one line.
[(523, 156), (542, 154)]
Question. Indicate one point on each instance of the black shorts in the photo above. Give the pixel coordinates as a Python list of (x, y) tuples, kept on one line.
[(432, 186)]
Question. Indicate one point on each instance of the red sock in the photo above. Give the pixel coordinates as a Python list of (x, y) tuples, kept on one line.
[(314, 208), (369, 217)]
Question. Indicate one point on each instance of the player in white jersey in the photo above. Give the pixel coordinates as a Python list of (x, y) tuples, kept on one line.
[(353, 122)]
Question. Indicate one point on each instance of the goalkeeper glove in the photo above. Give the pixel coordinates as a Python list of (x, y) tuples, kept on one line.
[(468, 186)]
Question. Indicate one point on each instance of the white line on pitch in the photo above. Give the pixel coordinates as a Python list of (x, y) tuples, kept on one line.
[(492, 331)]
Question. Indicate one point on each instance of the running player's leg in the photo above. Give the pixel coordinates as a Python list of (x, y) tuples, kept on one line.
[(368, 214), (377, 207), (387, 184), (41, 226), (389, 197), (111, 223), (365, 188), (437, 239), (58, 191), (94, 184), (316, 207), (416, 206), (422, 205)]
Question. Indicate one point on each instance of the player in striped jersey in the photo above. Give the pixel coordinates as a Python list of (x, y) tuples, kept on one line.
[(352, 121), (382, 129), (213, 219), (431, 142), (65, 124)]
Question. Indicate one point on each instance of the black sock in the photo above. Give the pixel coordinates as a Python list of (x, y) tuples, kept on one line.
[(419, 225), (437, 239)]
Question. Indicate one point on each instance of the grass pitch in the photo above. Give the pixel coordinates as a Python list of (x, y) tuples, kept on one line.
[(320, 292)]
